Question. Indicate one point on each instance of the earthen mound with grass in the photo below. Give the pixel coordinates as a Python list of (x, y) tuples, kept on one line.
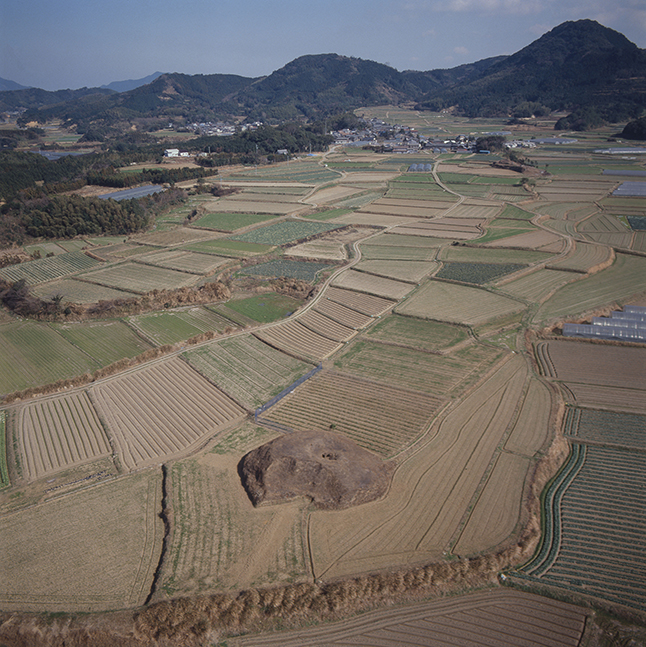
[(328, 468)]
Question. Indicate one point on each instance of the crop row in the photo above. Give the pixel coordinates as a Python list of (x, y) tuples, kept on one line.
[(606, 427), (477, 273), (285, 232), (246, 368), (367, 304), (58, 433), (343, 315), (375, 285), (325, 326), (48, 269), (296, 339), (377, 416), (303, 270)]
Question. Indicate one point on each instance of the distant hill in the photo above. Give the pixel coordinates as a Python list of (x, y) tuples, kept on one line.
[(7, 85), (580, 67), (124, 86)]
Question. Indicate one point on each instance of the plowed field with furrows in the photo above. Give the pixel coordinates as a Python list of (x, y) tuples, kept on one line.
[(160, 411), (495, 618), (381, 418), (606, 427), (431, 490), (602, 550), (343, 315), (58, 433), (584, 258), (377, 285), (366, 304), (325, 326), (296, 339), (246, 368)]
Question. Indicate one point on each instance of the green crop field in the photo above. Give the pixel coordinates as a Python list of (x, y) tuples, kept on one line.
[(247, 369), (605, 427), (491, 255), (231, 221), (32, 354), (303, 270), (417, 333), (226, 247), (500, 228), (476, 273), (48, 269), (403, 270), (285, 232), (173, 326), (105, 341), (330, 214), (265, 308)]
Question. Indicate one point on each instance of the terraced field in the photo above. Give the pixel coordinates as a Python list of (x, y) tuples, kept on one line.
[(247, 369), (161, 411), (379, 417), (343, 315), (139, 278), (408, 271), (74, 291), (325, 326), (376, 285), (185, 261)]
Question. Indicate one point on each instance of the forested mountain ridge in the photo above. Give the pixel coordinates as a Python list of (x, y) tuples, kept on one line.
[(577, 66)]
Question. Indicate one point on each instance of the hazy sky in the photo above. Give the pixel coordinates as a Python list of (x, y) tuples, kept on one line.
[(56, 44)]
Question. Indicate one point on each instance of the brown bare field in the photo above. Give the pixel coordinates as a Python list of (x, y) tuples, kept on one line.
[(614, 239), (296, 339), (458, 229), (469, 168), (585, 257), (470, 210), (454, 303), (381, 418), (341, 314), (185, 261), (379, 286), (373, 219), (366, 304), (431, 488), (537, 286), (56, 433), (497, 508), (331, 246), (177, 236), (371, 177), (94, 551), (409, 271), (140, 278), (228, 205), (532, 429), (530, 240), (220, 541), (162, 411), (78, 291), (483, 618), (332, 194), (325, 326), (255, 195), (605, 397)]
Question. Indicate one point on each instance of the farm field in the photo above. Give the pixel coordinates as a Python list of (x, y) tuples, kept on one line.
[(393, 253), (320, 323), (103, 561), (476, 619), (303, 270), (161, 411), (226, 247), (58, 433), (455, 228), (441, 375), (74, 291), (104, 341), (49, 269), (592, 547), (462, 254), (264, 308), (172, 326), (605, 427), (230, 221), (184, 261), (342, 315), (382, 418), (409, 271), (296, 339), (403, 529), (584, 258), (287, 231), (173, 237), (247, 369), (452, 303), (377, 285), (140, 278), (536, 286), (617, 283), (32, 354), (476, 273), (417, 333)]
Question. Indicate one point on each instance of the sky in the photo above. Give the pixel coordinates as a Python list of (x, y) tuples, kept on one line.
[(57, 44)]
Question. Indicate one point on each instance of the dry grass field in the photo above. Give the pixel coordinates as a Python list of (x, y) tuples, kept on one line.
[(93, 551)]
